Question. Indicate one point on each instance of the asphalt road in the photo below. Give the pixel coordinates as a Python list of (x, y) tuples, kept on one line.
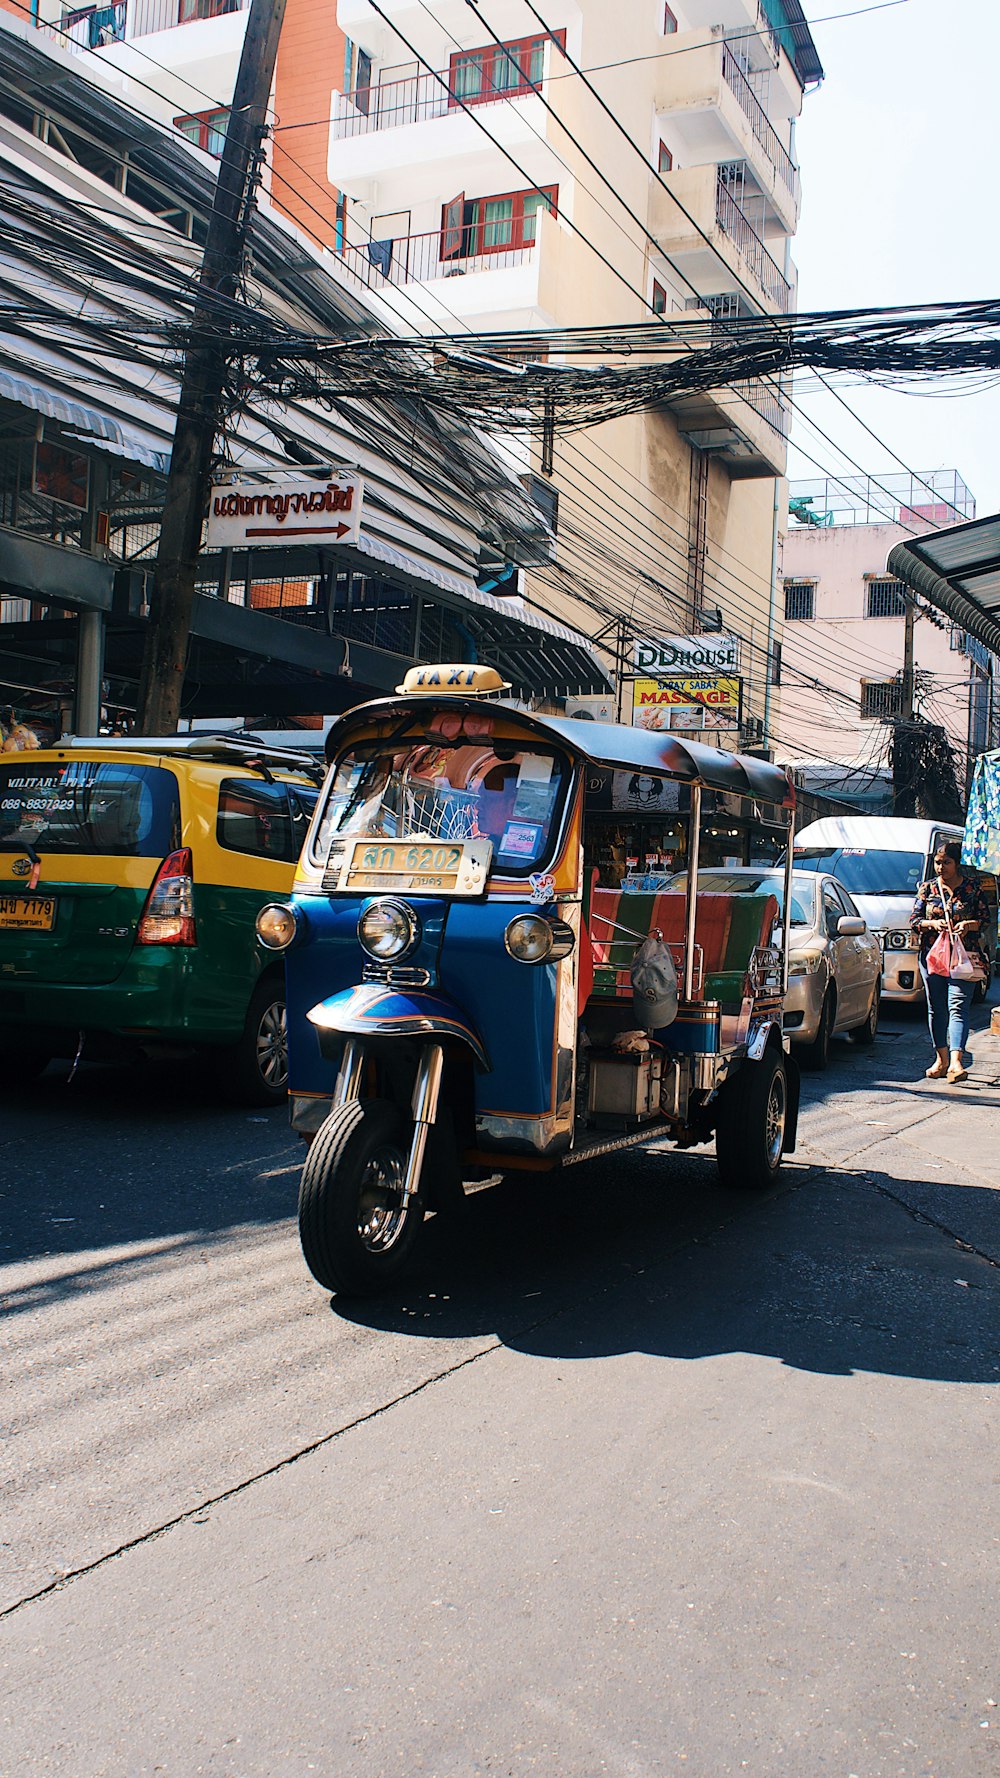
[(633, 1476)]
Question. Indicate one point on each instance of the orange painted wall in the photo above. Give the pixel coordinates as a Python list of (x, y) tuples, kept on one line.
[(310, 65)]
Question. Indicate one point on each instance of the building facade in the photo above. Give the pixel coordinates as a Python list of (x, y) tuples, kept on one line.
[(461, 173), (844, 651), (102, 214)]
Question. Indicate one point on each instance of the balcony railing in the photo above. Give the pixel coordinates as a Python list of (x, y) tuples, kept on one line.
[(98, 26), (751, 248), (764, 402), (416, 259), (760, 123), (396, 102)]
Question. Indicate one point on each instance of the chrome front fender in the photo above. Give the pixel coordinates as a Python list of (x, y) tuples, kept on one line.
[(374, 1010)]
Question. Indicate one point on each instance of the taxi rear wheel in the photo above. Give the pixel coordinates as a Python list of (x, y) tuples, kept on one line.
[(255, 1070), (751, 1124), (356, 1236)]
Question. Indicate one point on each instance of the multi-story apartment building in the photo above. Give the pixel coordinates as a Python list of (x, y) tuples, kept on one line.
[(845, 625), (451, 161)]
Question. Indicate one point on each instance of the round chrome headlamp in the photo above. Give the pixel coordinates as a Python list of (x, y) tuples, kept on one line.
[(388, 929), (531, 939), (277, 925), (898, 941)]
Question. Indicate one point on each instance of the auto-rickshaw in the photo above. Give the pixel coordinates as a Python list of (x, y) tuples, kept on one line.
[(463, 993)]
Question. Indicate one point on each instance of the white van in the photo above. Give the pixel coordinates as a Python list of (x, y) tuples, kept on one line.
[(882, 860)]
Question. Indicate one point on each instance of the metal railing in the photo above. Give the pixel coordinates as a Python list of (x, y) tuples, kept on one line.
[(765, 402), (424, 95), (751, 248), (760, 123), (120, 21), (416, 259)]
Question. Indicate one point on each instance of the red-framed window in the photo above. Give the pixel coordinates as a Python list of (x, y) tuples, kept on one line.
[(669, 22), (471, 227), (206, 129), (478, 75), (659, 299), (664, 159)]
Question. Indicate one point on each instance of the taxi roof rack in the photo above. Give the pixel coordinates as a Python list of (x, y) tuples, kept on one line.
[(221, 749)]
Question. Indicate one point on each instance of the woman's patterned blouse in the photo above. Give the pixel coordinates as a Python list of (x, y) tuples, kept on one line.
[(965, 902)]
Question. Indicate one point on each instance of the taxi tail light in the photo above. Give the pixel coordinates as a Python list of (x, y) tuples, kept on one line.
[(168, 916)]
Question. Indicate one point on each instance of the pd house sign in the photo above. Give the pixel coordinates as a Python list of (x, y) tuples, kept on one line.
[(687, 654), (256, 515)]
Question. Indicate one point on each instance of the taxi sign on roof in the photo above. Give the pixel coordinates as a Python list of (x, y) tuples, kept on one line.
[(466, 681)]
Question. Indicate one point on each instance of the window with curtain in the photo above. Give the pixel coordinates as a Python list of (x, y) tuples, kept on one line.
[(500, 70), (508, 221)]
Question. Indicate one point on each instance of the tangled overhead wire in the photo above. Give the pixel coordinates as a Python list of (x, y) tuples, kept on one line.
[(534, 380)]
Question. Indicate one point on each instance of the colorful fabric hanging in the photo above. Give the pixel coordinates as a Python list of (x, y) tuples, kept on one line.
[(981, 846)]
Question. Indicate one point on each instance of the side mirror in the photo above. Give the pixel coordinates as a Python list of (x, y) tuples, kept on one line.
[(849, 927)]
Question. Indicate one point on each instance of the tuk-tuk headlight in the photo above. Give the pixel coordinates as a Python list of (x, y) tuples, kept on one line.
[(531, 939), (277, 925), (388, 929), (898, 941)]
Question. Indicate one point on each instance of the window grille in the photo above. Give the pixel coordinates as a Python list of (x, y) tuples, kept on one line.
[(884, 598), (800, 600), (881, 698)]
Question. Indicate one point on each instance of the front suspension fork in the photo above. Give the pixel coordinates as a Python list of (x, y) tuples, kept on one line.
[(426, 1093)]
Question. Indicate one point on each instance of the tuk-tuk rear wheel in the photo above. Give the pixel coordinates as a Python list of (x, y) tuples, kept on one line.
[(751, 1124), (355, 1234)]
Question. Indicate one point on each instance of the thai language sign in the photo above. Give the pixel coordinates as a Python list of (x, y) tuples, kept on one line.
[(708, 703), (254, 515), (687, 654)]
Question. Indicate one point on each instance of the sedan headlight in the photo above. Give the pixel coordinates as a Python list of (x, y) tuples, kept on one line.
[(388, 929), (898, 941), (277, 926), (806, 964), (531, 939)]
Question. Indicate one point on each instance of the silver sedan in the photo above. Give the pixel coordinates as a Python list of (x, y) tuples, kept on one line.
[(834, 962)]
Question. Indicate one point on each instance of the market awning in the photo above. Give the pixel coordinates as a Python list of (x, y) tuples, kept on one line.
[(958, 570), (87, 423)]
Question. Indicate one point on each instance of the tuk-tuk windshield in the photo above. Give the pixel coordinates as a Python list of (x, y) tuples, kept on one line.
[(445, 791)]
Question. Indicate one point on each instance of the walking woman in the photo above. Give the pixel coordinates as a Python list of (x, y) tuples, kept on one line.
[(949, 1001)]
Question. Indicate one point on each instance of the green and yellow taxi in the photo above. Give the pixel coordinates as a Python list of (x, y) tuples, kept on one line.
[(131, 874)]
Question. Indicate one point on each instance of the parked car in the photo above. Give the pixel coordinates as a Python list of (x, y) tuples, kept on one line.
[(834, 962), (881, 860), (131, 874)]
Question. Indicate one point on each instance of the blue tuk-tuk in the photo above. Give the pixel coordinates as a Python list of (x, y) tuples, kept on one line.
[(463, 993)]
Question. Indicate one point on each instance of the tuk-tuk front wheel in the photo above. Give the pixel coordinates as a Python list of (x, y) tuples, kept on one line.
[(356, 1236), (750, 1124)]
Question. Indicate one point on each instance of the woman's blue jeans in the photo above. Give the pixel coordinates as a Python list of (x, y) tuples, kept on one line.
[(949, 1005)]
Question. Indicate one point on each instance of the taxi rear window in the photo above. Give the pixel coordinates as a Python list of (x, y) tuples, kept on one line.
[(89, 807)]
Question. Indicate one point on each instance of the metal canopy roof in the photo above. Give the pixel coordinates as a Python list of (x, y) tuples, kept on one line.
[(957, 570), (608, 744)]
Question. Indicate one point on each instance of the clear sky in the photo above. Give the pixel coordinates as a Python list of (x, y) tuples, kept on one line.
[(900, 157)]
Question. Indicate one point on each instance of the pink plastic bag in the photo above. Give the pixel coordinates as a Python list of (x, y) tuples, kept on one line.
[(939, 955)]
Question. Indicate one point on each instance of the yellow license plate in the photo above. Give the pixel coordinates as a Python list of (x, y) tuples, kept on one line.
[(28, 913), (421, 866)]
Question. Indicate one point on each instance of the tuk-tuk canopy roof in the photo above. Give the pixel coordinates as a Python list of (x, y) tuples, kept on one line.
[(610, 744)]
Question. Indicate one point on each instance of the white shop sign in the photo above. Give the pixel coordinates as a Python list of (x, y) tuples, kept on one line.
[(687, 654), (256, 515)]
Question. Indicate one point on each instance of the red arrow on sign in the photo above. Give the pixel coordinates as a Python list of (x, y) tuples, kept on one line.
[(294, 531)]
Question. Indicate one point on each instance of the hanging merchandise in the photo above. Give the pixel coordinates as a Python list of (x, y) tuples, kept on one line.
[(981, 845)]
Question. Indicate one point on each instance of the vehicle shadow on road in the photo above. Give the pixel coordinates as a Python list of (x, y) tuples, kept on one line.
[(829, 1274), (136, 1155)]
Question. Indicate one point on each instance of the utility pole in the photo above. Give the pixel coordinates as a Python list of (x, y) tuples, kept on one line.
[(908, 682), (203, 378)]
